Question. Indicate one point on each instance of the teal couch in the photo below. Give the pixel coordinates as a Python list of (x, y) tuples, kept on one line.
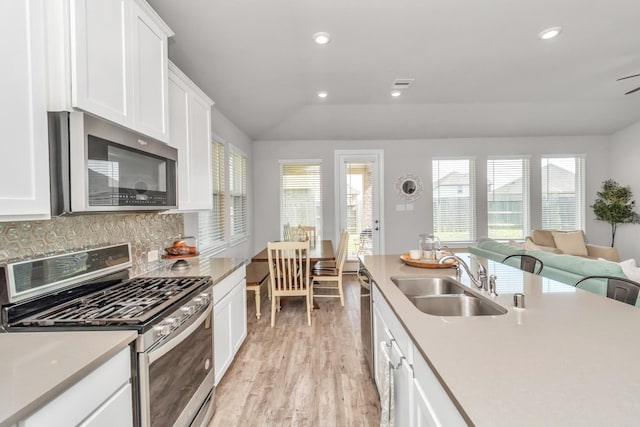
[(560, 267)]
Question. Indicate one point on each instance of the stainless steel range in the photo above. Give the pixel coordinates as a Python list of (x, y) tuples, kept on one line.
[(173, 377)]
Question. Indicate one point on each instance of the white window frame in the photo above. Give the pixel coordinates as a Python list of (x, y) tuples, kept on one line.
[(232, 185), (580, 185), (473, 180), (219, 244), (526, 194), (319, 217)]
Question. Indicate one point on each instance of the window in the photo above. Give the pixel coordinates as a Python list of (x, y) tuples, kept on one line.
[(563, 183), (238, 194), (508, 197), (301, 195), (454, 199), (211, 223)]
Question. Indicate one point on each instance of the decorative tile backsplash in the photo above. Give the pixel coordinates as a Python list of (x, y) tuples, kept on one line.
[(145, 232)]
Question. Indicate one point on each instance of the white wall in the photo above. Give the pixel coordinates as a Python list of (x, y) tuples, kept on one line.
[(227, 132), (414, 156), (624, 164)]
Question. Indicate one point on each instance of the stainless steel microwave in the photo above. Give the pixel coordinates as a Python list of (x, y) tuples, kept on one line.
[(97, 166)]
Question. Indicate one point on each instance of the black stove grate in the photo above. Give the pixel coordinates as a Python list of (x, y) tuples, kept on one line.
[(131, 302)]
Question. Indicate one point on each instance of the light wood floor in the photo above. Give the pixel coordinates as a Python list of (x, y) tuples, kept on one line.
[(299, 375)]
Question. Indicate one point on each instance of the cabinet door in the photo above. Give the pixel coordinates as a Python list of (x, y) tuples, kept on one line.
[(101, 59), (190, 133), (24, 164), (150, 68), (200, 196), (222, 346), (238, 316)]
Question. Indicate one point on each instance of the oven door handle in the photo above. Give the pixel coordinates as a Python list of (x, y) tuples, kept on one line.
[(175, 341)]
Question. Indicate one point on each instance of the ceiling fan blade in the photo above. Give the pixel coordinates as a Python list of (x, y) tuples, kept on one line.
[(631, 91), (627, 77)]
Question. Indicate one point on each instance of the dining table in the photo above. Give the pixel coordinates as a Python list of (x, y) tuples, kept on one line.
[(321, 251)]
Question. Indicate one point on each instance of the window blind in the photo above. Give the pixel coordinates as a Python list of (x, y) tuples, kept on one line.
[(238, 194), (454, 199), (301, 195), (508, 198), (563, 200), (361, 209), (211, 223)]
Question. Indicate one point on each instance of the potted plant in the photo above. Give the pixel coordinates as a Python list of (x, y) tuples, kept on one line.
[(614, 205)]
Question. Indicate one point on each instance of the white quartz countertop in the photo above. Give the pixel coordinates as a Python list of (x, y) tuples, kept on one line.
[(217, 268), (569, 358), (35, 367)]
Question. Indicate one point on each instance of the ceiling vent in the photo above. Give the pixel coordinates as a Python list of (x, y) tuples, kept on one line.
[(402, 83)]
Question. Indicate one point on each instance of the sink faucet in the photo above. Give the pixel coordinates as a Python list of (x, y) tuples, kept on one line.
[(480, 282)]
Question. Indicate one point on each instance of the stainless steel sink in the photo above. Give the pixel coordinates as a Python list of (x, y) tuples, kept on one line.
[(457, 305), (428, 285), (444, 296)]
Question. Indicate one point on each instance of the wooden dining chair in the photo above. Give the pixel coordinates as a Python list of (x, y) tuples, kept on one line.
[(325, 277), (343, 244), (310, 231), (618, 288), (289, 274), (527, 263)]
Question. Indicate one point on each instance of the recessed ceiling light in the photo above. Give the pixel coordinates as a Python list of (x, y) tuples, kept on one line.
[(550, 33), (321, 38), (396, 93), (322, 94)]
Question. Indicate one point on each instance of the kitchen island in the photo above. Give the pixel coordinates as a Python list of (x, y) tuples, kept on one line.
[(569, 358)]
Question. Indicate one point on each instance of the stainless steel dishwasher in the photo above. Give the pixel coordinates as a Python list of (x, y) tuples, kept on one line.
[(366, 321)]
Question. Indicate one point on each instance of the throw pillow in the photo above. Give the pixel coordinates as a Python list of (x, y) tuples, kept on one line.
[(630, 270), (570, 242), (543, 238)]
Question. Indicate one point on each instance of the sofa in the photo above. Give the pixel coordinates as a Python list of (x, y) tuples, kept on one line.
[(568, 242), (560, 267)]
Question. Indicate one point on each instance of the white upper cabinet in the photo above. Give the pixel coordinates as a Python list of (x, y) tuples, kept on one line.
[(190, 133), (24, 159), (150, 68), (110, 58), (101, 52)]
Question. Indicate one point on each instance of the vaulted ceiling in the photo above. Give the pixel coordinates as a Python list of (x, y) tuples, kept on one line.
[(479, 67)]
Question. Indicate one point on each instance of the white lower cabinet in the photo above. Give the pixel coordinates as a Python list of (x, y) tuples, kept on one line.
[(230, 320), (102, 398), (419, 398)]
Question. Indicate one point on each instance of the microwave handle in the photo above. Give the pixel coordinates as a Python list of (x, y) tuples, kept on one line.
[(175, 341)]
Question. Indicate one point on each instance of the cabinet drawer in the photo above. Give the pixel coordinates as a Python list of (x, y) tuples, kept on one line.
[(78, 402), (222, 288)]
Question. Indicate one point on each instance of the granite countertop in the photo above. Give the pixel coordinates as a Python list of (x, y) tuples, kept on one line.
[(35, 367), (569, 358)]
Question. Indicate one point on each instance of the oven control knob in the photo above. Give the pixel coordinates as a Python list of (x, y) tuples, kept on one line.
[(162, 330), (171, 322), (187, 310), (199, 301), (205, 296)]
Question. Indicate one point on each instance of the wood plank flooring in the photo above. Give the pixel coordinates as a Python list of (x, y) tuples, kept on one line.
[(299, 375)]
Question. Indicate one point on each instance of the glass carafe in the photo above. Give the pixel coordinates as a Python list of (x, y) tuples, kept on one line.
[(429, 244)]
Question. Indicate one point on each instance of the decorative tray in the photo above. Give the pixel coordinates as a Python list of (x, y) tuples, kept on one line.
[(427, 263), (167, 256)]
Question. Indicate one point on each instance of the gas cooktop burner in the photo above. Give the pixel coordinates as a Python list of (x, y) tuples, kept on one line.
[(131, 302)]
